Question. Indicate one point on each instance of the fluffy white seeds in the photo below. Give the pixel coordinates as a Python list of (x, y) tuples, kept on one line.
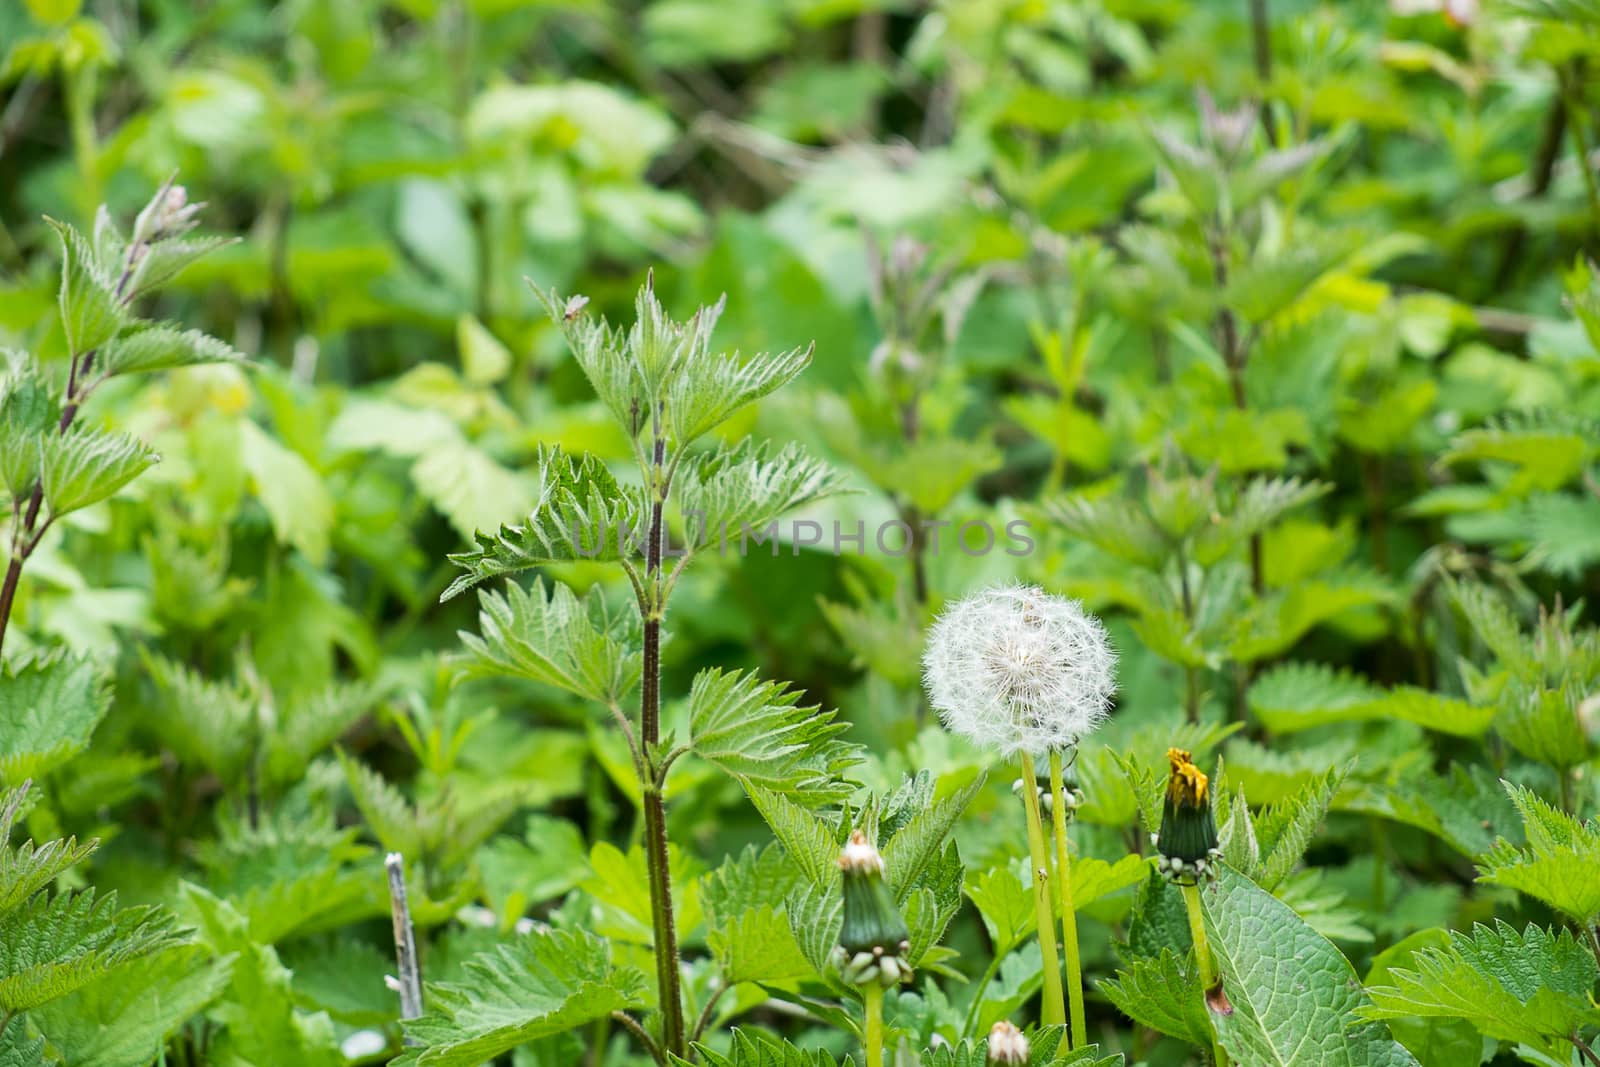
[(1017, 669)]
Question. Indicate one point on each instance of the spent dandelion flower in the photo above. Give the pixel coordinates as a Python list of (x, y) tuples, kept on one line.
[(1008, 1046), (1017, 669), (873, 940)]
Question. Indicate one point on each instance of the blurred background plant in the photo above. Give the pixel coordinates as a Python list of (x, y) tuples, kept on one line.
[(1274, 324)]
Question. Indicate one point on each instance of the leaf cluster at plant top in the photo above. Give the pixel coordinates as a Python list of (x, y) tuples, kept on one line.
[(379, 385)]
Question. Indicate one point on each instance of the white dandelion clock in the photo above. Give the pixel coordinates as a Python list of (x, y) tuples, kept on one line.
[(1017, 669)]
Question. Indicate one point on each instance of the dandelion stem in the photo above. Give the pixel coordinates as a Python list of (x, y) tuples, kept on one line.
[(872, 1036), (1078, 1035), (1052, 1011), (1209, 979)]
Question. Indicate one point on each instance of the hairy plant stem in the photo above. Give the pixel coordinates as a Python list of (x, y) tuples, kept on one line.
[(1209, 979), (872, 1032), (663, 922), (1078, 1035), (1052, 1009), (26, 537)]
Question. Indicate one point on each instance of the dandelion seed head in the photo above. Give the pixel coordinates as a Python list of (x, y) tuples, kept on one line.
[(1017, 669)]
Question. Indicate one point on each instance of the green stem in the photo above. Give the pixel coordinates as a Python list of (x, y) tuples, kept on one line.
[(977, 996), (872, 1038), (1079, 1034), (1053, 1010), (1202, 954)]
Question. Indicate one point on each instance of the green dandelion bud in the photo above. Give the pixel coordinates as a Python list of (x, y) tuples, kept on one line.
[(874, 940), (1188, 838), (1008, 1046)]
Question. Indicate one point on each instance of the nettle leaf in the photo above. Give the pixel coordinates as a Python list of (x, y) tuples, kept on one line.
[(51, 946), (28, 411), (1116, 525), (558, 639), (1274, 625), (543, 983), (169, 257), (260, 1019), (1546, 450), (732, 494), (581, 512), (917, 844), (601, 351), (816, 918), (930, 472), (27, 868), (163, 347), (91, 310), (1286, 828), (1260, 504), (1464, 809), (299, 505), (1545, 724), (83, 467), (123, 1019), (755, 1048), (1294, 996), (757, 946), (755, 731), (710, 388), (49, 708), (1163, 992), (1557, 867), (747, 881), (1300, 696), (812, 845), (1533, 987), (205, 722)]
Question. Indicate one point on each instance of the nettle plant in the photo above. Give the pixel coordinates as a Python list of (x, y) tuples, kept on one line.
[(74, 966), (668, 390)]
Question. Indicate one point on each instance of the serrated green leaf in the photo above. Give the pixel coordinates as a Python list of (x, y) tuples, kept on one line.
[(1163, 993), (470, 487), (1559, 864), (52, 946), (753, 1048), (1303, 1018), (711, 387), (49, 708), (580, 512), (579, 645), (83, 467), (1533, 987), (735, 494), (542, 983), (1299, 696), (1286, 828), (916, 845), (91, 309), (124, 1018), (163, 347), (757, 946), (816, 918), (17, 1049), (812, 846), (1005, 905), (757, 732), (1117, 525)]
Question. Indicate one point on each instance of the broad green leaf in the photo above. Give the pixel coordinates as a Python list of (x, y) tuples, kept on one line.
[(757, 732), (163, 347), (124, 1018), (207, 723), (1435, 1041), (49, 708), (484, 359), (28, 867), (19, 1050), (748, 881), (298, 503), (470, 487), (91, 308), (1557, 867), (1293, 995), (1094, 878), (1117, 525), (1545, 451), (579, 645), (1163, 992), (816, 917), (83, 467), (580, 512), (1005, 905), (543, 983), (1532, 987), (27, 413)]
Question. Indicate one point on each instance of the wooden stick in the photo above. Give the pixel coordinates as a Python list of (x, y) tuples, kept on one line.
[(409, 984)]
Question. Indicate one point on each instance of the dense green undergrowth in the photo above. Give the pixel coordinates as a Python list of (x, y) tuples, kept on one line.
[(616, 479)]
